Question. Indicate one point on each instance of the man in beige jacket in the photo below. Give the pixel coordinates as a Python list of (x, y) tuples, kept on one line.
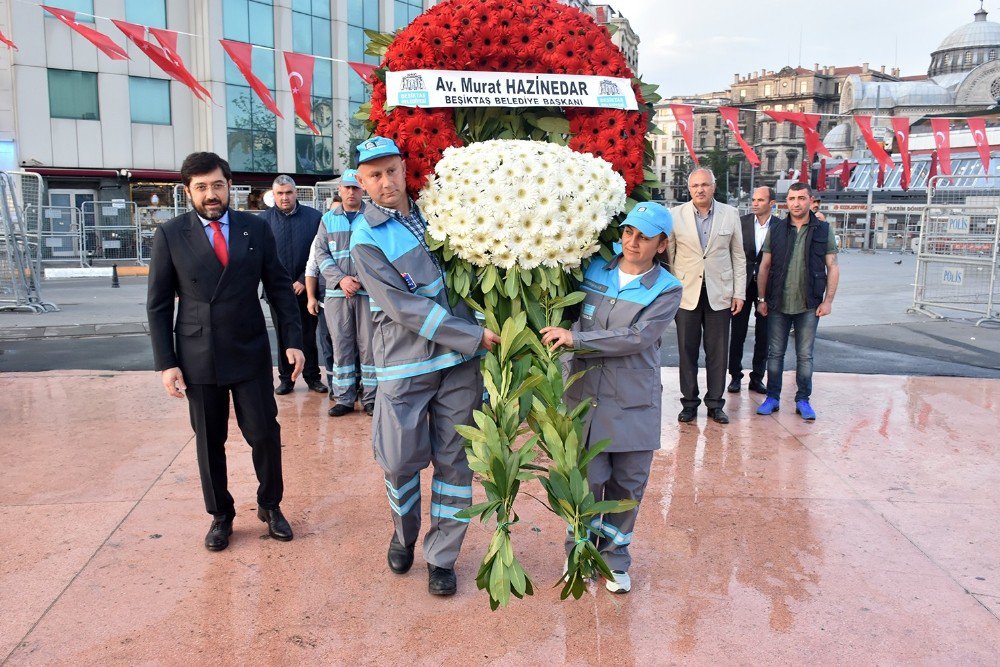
[(706, 254)]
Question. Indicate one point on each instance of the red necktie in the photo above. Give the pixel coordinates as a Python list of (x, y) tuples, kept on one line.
[(219, 243)]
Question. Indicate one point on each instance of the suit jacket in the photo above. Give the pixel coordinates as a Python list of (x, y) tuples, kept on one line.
[(721, 264), (221, 337), (749, 222)]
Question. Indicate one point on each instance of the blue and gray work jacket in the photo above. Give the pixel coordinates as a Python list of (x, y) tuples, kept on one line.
[(415, 330), (333, 248), (618, 340)]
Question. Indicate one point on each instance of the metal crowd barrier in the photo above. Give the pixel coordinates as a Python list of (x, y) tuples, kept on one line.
[(957, 262), (110, 231), (19, 282)]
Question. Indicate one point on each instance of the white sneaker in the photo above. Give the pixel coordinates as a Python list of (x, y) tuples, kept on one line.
[(622, 583)]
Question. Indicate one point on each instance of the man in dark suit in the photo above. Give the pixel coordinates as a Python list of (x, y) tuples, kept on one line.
[(211, 260), (755, 226), (294, 228)]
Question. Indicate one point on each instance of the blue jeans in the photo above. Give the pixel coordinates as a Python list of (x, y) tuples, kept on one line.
[(778, 326)]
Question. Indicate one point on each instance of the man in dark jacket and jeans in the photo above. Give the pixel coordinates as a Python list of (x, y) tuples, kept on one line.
[(294, 227), (796, 283)]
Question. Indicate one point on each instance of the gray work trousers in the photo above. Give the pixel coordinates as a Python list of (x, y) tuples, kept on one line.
[(350, 325), (413, 427), (616, 476)]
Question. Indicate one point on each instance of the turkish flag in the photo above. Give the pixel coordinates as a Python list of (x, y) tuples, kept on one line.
[(804, 172), (881, 176), (901, 127), (878, 151), (821, 179), (168, 40), (933, 170), (732, 117), (241, 53), (808, 122), (104, 43), (684, 115), (6, 41), (978, 127), (942, 139), (137, 35), (365, 71), (300, 77)]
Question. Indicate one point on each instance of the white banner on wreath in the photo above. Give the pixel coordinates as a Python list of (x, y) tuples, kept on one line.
[(446, 88)]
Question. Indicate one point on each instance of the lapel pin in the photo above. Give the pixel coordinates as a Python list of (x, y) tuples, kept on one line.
[(246, 233)]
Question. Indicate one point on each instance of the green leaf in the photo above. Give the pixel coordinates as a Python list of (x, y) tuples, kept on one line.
[(470, 433), (553, 124), (569, 300)]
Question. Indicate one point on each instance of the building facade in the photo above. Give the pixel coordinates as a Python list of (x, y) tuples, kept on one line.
[(92, 125)]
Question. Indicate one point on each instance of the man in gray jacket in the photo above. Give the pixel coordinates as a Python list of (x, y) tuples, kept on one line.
[(426, 356)]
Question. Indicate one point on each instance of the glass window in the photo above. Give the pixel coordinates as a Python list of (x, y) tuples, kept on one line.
[(73, 95), (149, 100), (767, 90), (405, 11), (968, 57), (803, 86), (250, 21), (151, 13), (993, 54), (83, 6), (251, 133), (311, 28)]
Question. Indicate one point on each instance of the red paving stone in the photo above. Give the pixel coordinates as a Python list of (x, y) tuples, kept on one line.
[(870, 536)]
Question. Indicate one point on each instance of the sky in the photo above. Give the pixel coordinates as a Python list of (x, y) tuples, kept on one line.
[(690, 47)]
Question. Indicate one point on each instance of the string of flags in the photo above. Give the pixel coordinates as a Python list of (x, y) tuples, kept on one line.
[(809, 122), (300, 68), (164, 54)]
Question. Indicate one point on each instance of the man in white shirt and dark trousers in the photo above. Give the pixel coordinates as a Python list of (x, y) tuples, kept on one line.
[(755, 226)]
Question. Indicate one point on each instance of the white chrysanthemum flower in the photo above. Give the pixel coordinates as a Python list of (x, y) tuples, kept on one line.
[(521, 203)]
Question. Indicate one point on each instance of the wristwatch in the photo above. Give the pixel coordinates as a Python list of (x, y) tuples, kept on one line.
[(760, 299)]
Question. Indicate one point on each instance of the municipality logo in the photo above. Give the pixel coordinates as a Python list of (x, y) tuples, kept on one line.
[(413, 91), (611, 95)]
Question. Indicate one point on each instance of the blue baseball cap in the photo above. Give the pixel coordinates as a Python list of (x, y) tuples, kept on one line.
[(376, 147), (350, 178), (650, 218)]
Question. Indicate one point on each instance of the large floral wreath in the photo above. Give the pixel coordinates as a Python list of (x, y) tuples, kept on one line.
[(513, 219), (508, 36)]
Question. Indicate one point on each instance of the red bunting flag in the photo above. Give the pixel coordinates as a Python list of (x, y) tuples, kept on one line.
[(6, 41), (137, 35), (365, 71), (933, 170), (877, 149), (808, 122), (901, 127), (241, 53), (804, 172), (300, 76), (942, 139), (845, 173), (978, 127), (168, 41), (732, 117), (104, 43), (684, 115), (821, 179), (880, 182)]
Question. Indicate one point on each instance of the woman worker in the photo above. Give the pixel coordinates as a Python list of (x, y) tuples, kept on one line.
[(630, 301)]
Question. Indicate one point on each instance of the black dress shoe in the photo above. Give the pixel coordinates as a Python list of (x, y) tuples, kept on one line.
[(277, 526), (441, 580), (284, 387), (687, 415), (400, 557), (318, 387), (370, 409), (734, 386), (758, 387), (339, 410), (718, 415), (218, 535)]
